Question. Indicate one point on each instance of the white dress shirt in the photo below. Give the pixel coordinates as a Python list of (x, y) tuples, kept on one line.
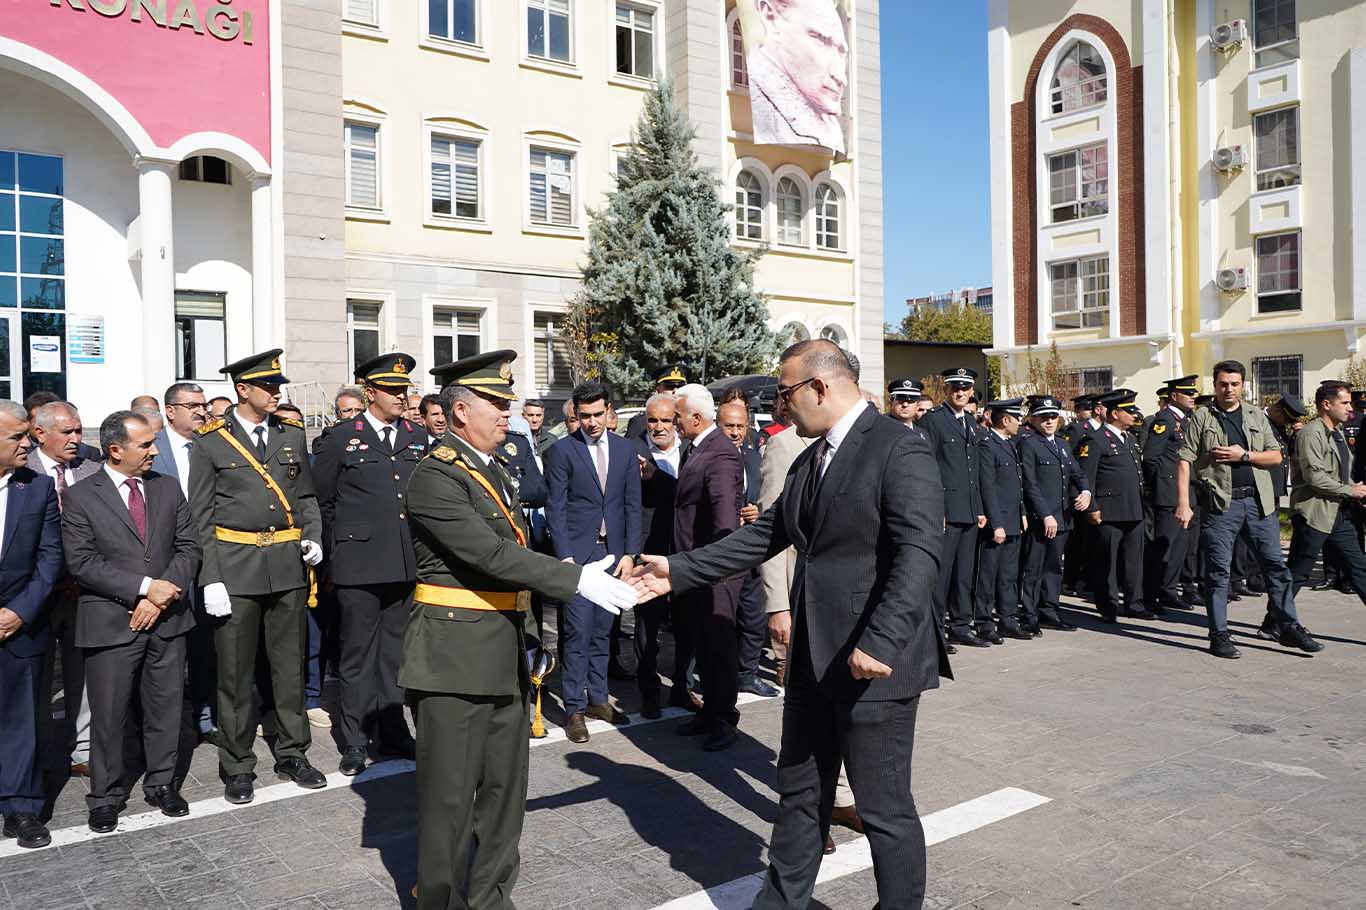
[(4, 503), (697, 440), (667, 460), (52, 468), (604, 452), (841, 429), (119, 481), (378, 426), (180, 453), (251, 428)]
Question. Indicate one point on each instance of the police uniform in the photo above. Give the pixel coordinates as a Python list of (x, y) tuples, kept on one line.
[(906, 390), (1072, 432), (1052, 479), (1111, 461), (667, 378), (1166, 552), (464, 657), (362, 473), (998, 564), (252, 495), (954, 440)]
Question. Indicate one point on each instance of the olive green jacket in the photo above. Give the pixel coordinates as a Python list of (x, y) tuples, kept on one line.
[(1204, 432), (462, 539), (1317, 493)]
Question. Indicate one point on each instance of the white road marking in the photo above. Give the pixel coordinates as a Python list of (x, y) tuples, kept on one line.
[(143, 821), (855, 856)]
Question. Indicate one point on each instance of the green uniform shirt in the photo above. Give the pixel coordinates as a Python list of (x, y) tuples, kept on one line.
[(1318, 490), (1204, 432)]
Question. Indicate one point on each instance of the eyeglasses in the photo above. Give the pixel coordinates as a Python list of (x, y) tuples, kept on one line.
[(189, 405), (785, 392)]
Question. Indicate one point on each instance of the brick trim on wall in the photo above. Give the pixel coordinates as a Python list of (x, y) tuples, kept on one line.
[(1126, 90)]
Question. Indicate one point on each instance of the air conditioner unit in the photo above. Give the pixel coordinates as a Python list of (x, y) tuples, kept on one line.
[(1231, 280), (1230, 158), (1229, 35)]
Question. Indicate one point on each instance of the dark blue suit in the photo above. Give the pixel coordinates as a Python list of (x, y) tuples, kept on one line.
[(1052, 477), (30, 563), (998, 564), (954, 442), (576, 510)]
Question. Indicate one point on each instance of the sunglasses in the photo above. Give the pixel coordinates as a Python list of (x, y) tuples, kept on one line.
[(785, 392)]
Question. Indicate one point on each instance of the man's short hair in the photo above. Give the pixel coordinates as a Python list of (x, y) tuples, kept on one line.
[(292, 408), (114, 429), (147, 412), (47, 415), (431, 398), (36, 400), (568, 407), (734, 393), (589, 392), (219, 398), (347, 392), (1329, 391), (1228, 366), (533, 403), (176, 389), (658, 397), (142, 401), (14, 409), (822, 356), (453, 393), (694, 398)]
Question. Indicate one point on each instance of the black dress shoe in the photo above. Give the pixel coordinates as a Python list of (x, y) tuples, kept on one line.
[(1137, 613), (1297, 636), (722, 736), (649, 706), (238, 789), (1193, 596), (967, 640), (754, 685), (949, 648), (168, 800), (1270, 629), (104, 819), (613, 715), (30, 832), (1241, 589), (1221, 645), (301, 772), (1015, 632), (992, 636), (352, 761), (616, 671), (1034, 630), (1173, 601), (1059, 625), (829, 847), (698, 725), (575, 729)]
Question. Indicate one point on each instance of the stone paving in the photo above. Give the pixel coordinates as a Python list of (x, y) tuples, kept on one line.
[(1176, 781)]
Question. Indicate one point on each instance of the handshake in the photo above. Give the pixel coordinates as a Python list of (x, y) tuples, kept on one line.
[(649, 579)]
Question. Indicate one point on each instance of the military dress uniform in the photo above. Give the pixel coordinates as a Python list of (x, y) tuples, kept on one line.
[(464, 658), (1166, 553), (362, 474), (1111, 461), (1052, 479), (254, 503), (998, 564)]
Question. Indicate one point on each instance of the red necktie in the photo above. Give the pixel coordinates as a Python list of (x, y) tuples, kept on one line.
[(61, 485), (137, 507)]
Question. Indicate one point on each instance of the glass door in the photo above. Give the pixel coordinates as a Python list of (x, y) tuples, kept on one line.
[(9, 382)]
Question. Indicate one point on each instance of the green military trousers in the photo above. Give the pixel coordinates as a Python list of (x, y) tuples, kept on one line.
[(472, 755)]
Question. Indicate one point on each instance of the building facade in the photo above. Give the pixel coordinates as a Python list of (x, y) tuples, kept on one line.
[(977, 298), (479, 133), (1176, 182)]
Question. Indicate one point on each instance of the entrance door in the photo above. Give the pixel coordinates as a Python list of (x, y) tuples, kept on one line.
[(9, 362)]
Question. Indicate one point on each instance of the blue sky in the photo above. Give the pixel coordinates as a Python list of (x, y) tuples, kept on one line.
[(935, 153)]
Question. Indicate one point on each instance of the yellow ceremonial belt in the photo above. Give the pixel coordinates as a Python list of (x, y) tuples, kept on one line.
[(258, 538), (465, 599)]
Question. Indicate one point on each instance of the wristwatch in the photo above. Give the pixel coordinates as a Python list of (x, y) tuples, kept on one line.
[(1247, 457)]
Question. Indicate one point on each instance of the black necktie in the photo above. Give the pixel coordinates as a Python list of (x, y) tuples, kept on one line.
[(261, 443), (389, 439), (812, 488)]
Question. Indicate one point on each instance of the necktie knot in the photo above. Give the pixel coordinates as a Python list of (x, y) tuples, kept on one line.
[(137, 507)]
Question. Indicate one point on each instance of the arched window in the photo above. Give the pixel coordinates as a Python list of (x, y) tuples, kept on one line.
[(749, 207), (739, 71), (791, 205), (828, 217), (792, 333), (836, 334), (1079, 81)]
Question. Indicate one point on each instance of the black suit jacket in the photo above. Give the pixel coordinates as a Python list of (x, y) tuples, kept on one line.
[(32, 560), (108, 559), (657, 501), (866, 576), (1112, 467), (956, 451), (1002, 484), (1052, 478)]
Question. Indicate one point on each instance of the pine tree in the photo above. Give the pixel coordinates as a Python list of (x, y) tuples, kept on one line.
[(662, 283)]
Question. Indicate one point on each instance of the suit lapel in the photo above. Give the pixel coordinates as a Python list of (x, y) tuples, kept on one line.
[(841, 466), (586, 457), (105, 488), (17, 491)]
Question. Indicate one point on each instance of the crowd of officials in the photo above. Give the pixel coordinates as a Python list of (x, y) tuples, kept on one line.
[(207, 555)]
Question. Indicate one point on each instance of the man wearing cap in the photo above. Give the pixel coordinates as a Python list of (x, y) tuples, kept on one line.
[(998, 564), (362, 476), (252, 497), (1110, 459), (1054, 486), (905, 395), (469, 633), (668, 379), (1081, 541), (1081, 411), (952, 433), (1166, 554), (1229, 449)]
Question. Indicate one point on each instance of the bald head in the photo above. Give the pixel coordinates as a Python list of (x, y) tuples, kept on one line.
[(818, 357), (818, 384)]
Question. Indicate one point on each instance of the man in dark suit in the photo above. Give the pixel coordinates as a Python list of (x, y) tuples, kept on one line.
[(863, 506), (593, 511), (998, 565), (132, 547), (669, 378), (362, 477), (661, 453), (30, 563), (952, 430), (1165, 555)]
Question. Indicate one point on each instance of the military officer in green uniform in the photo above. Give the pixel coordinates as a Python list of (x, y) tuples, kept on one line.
[(465, 649), (253, 500)]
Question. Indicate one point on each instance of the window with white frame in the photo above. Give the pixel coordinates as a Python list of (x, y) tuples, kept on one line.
[(206, 169), (1080, 79), (635, 41), (1276, 376), (1078, 183), (455, 184), (1087, 381), (552, 188), (1275, 31), (739, 65), (749, 207), (362, 165), (363, 331), (835, 334), (552, 363), (361, 12), (456, 334), (201, 334), (792, 333), (791, 206), (548, 30), (828, 217), (1278, 148), (1278, 273), (1079, 290), (453, 20)]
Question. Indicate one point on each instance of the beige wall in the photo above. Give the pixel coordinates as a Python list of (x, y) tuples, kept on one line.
[(1032, 21)]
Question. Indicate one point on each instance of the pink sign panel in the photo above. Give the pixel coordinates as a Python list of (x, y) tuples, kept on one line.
[(178, 66)]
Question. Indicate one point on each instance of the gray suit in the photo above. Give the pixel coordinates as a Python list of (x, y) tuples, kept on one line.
[(109, 559), (62, 618)]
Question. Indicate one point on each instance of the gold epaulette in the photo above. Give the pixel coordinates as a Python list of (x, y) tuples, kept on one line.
[(291, 422), (444, 453), (212, 426)]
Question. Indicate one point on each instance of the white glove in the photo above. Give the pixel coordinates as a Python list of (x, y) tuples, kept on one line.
[(612, 594), (216, 600), (313, 552)]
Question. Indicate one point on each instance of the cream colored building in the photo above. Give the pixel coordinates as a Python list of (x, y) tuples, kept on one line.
[(479, 132), (1175, 182)]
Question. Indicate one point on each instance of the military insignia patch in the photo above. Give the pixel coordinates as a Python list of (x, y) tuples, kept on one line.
[(1159, 428), (353, 442), (509, 448), (1085, 449), (211, 427), (445, 453), (291, 422)]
